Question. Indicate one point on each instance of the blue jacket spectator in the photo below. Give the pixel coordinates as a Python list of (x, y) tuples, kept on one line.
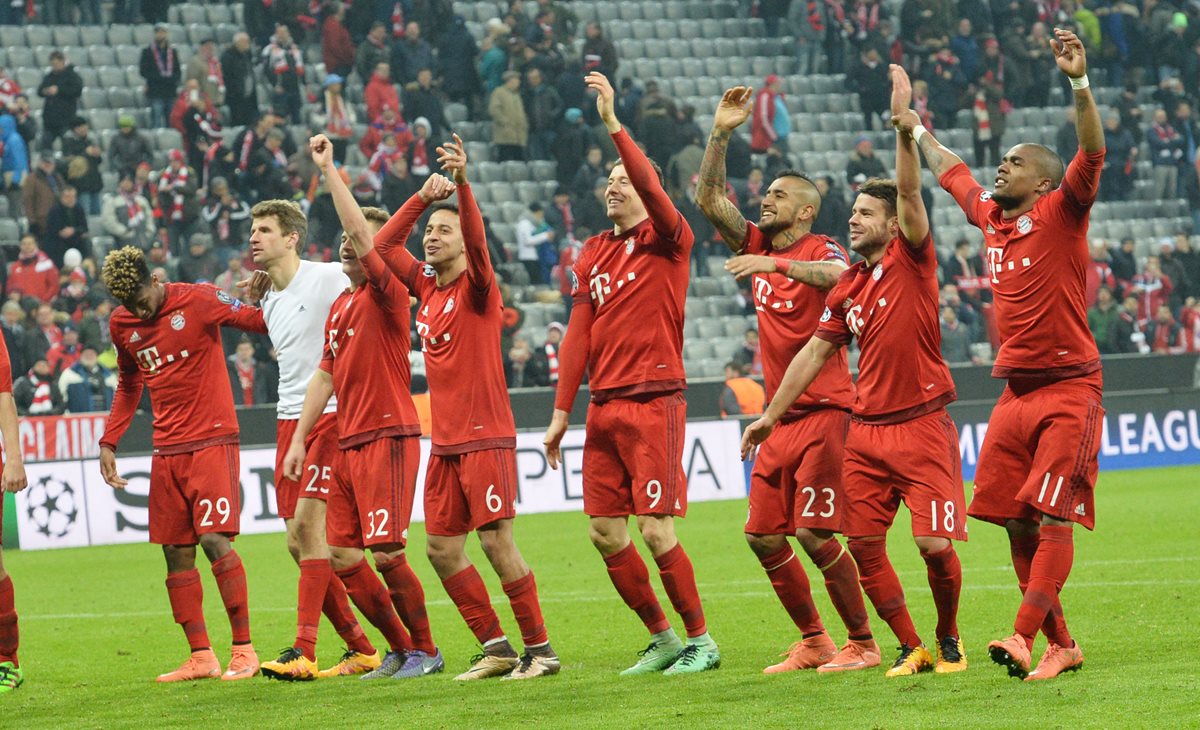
[(87, 386), (15, 161)]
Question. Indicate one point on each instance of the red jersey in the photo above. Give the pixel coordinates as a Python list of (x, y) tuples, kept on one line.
[(178, 355), (366, 352), (459, 325), (629, 292), (787, 317), (892, 307), (1038, 264)]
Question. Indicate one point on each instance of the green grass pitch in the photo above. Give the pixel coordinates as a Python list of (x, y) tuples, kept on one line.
[(96, 629)]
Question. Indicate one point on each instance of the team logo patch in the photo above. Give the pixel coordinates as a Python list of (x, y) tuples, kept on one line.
[(427, 270), (846, 304), (224, 298), (984, 196), (878, 273), (837, 252), (1024, 224), (574, 283), (177, 321), (826, 315), (629, 247)]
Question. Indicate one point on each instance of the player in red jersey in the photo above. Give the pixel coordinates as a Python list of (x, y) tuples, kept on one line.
[(902, 445), (365, 362), (168, 337), (13, 480), (626, 328), (796, 483), (471, 478), (1037, 468)]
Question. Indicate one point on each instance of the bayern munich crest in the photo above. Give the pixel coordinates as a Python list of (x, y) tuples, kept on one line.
[(629, 247), (826, 315), (1024, 224), (878, 273), (177, 321)]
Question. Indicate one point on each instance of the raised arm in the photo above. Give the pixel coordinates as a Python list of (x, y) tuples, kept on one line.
[(389, 242), (453, 156), (573, 359), (1072, 61), (354, 223), (802, 371), (732, 111), (910, 209), (938, 159)]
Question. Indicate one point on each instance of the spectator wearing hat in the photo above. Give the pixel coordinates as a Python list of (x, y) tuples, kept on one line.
[(61, 87), (33, 274), (36, 393), (337, 49), (554, 336), (570, 145), (87, 386), (128, 148), (510, 124), (241, 85), (127, 216), (76, 138), (67, 227), (199, 263), (373, 51), (284, 65), (863, 163), (421, 154), (159, 66), (205, 69), (390, 122), (336, 117), (75, 295), (380, 92), (39, 191), (64, 353), (422, 100), (762, 123)]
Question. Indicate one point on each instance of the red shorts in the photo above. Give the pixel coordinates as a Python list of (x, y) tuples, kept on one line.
[(633, 457), (321, 454), (1040, 454), (194, 494), (464, 492), (797, 476), (916, 462), (371, 502)]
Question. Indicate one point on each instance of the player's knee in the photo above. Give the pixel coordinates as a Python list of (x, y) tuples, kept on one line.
[(865, 549), (342, 558), (812, 540), (440, 553), (1018, 529), (929, 545), (607, 541), (658, 534), (764, 545), (215, 546), (179, 558), (496, 546)]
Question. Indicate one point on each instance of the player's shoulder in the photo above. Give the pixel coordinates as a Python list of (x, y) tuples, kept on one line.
[(819, 247)]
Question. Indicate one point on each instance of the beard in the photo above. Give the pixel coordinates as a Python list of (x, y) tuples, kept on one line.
[(777, 225), (1006, 202)]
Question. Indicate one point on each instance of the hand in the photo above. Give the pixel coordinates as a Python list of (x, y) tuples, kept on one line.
[(906, 121), (554, 435), (67, 232), (453, 156), (733, 109), (293, 462), (108, 469), (255, 287), (748, 265), (605, 105), (51, 90), (14, 479), (1069, 53), (322, 151), (901, 89), (435, 189), (755, 434)]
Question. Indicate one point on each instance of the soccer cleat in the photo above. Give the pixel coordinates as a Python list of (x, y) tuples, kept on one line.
[(485, 666), (696, 658), (912, 660), (392, 662), (351, 664), (11, 677), (419, 664), (656, 657), (810, 653), (291, 666), (243, 663), (534, 665), (1055, 661), (854, 655), (1012, 653), (201, 664), (951, 657)]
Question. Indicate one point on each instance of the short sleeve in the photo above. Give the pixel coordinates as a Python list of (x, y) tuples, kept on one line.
[(967, 192), (832, 326), (826, 249), (754, 242)]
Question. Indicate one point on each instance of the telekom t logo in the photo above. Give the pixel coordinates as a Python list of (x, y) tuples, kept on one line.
[(995, 258), (599, 286), (148, 358), (762, 289)]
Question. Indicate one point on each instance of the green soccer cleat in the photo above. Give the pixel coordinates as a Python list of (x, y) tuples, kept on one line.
[(696, 658), (11, 677), (656, 657)]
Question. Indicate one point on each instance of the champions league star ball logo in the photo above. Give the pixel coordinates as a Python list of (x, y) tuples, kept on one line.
[(51, 507)]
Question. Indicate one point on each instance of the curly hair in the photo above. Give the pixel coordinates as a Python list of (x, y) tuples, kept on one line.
[(291, 218), (125, 272)]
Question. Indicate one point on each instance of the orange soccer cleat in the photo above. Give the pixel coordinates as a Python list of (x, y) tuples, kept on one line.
[(854, 655), (243, 663), (807, 654), (1012, 653), (1056, 660), (201, 664)]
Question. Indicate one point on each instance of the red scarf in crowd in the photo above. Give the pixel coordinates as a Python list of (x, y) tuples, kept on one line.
[(174, 181), (552, 361), (397, 20)]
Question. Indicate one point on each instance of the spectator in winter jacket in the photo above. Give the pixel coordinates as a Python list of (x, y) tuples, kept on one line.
[(33, 274), (422, 100), (87, 386), (391, 122), (283, 63), (863, 164), (337, 50), (61, 88), (64, 353), (410, 54), (67, 227), (128, 148), (762, 124), (248, 376), (380, 92), (1102, 319), (1116, 179), (127, 217), (457, 53), (422, 153), (241, 85), (373, 51), (36, 393), (199, 264), (598, 52), (1167, 148), (510, 124), (227, 216), (159, 66), (14, 163), (543, 107), (869, 79), (205, 69), (1163, 333)]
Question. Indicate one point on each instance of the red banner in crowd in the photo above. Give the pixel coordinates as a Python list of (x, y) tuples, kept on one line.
[(51, 438)]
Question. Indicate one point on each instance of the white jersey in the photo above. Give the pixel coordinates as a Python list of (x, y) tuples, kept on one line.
[(296, 323)]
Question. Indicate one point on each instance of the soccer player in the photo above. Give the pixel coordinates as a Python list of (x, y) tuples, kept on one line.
[(796, 483), (902, 444), (626, 328), (471, 478), (1037, 469), (13, 480), (168, 337), (295, 308), (365, 362)]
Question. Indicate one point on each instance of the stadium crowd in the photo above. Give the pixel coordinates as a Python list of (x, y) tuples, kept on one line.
[(392, 69)]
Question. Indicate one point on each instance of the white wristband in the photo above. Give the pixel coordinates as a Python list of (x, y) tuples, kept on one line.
[(1079, 83), (918, 132)]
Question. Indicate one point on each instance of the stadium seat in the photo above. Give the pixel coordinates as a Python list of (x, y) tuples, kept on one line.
[(512, 212), (643, 31), (219, 13), (529, 191), (167, 139), (101, 56), (628, 11), (93, 98), (143, 34), (38, 35), (10, 232), (120, 35), (670, 67), (488, 172), (12, 36), (108, 76), (65, 35), (725, 47)]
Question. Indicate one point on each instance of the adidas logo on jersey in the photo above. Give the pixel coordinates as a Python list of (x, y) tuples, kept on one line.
[(135, 338), (1080, 510), (302, 309)]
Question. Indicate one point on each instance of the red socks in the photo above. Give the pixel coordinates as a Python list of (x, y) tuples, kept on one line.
[(1047, 574), (8, 623), (336, 607), (883, 588), (1023, 549), (945, 580), (632, 581), (470, 595), (679, 580), (409, 599), (371, 597), (841, 581), (522, 595), (187, 605), (315, 576), (791, 585), (231, 582)]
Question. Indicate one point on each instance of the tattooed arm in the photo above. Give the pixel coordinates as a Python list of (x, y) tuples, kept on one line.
[(710, 192), (819, 274)]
